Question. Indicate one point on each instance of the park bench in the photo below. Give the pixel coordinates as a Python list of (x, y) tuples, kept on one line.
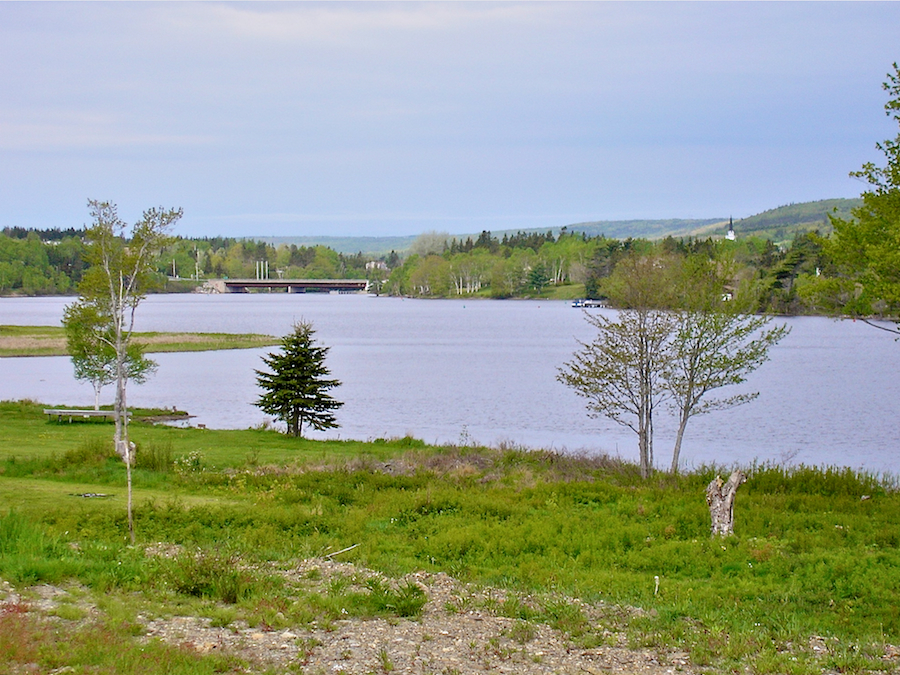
[(83, 414)]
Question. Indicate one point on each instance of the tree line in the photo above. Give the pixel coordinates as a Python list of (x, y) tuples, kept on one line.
[(53, 262), (810, 276)]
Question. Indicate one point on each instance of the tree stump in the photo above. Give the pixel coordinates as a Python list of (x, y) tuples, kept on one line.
[(720, 498)]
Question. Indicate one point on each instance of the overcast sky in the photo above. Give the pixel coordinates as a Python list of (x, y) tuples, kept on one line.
[(397, 118)]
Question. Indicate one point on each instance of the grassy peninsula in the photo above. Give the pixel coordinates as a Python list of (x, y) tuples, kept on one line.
[(228, 521), (51, 341)]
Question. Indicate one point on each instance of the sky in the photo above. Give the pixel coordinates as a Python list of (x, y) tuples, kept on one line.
[(378, 119)]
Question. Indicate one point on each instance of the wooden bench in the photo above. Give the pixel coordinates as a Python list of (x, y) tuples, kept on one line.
[(84, 414)]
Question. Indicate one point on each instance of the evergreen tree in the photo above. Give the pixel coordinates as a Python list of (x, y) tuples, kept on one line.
[(296, 389)]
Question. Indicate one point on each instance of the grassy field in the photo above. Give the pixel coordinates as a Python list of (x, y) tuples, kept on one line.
[(815, 560), (51, 341)]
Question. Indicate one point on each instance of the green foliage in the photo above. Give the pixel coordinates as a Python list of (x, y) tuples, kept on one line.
[(683, 331), (866, 247), (30, 267), (209, 576), (296, 391), (154, 457), (91, 343)]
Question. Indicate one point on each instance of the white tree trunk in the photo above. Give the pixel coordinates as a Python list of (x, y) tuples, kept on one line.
[(97, 386), (720, 498)]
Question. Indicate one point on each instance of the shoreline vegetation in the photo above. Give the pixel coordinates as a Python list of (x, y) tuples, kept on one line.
[(323, 547), (23, 341)]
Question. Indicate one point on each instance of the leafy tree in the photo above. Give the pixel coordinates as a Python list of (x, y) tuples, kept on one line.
[(717, 342), (621, 371), (866, 248), (121, 272), (675, 339), (296, 391), (429, 243), (90, 343)]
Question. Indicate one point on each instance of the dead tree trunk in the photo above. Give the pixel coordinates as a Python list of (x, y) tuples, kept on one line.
[(720, 497)]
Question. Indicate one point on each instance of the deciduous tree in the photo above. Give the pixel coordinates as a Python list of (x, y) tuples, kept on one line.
[(120, 274), (621, 372), (866, 248), (296, 391), (675, 339), (90, 341), (718, 341)]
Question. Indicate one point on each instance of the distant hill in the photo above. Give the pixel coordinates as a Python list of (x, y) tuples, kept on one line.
[(785, 222), (779, 224), (646, 229), (346, 245)]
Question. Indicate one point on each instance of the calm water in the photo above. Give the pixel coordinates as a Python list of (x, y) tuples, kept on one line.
[(450, 371)]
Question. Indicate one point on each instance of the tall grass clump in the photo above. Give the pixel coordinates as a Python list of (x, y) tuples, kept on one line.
[(90, 452), (155, 456), (211, 576), (28, 554)]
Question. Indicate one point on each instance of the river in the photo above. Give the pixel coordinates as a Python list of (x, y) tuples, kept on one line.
[(485, 371)]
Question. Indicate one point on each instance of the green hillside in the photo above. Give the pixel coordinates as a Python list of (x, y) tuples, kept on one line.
[(784, 222), (646, 229), (778, 224)]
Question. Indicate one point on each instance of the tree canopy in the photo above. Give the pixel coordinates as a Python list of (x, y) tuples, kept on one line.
[(90, 341), (866, 247), (679, 335)]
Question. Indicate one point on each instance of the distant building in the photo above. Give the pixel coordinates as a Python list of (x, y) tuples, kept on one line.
[(730, 234)]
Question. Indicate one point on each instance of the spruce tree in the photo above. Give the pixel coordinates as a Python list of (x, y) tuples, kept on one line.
[(296, 391)]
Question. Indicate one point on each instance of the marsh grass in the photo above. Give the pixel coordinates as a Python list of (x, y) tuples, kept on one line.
[(816, 551), (51, 341)]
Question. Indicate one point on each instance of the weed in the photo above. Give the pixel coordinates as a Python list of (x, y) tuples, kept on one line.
[(522, 632), (384, 661), (209, 576), (91, 451)]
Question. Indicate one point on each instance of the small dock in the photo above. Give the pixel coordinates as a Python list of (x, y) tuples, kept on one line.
[(587, 303)]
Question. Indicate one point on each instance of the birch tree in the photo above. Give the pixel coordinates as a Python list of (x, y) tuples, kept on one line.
[(91, 346), (120, 274)]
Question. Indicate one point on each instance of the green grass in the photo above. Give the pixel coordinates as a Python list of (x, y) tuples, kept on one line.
[(812, 556)]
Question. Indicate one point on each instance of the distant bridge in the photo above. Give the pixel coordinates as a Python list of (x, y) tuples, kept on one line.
[(285, 285)]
